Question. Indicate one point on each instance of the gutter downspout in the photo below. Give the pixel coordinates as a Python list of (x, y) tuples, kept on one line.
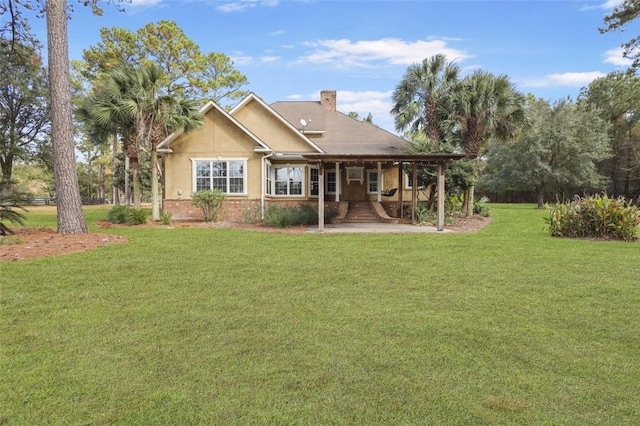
[(263, 182)]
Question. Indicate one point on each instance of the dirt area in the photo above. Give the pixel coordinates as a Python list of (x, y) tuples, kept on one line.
[(30, 243)]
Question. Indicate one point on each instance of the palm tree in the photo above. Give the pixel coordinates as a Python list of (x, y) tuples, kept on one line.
[(132, 102), (420, 98), (484, 107)]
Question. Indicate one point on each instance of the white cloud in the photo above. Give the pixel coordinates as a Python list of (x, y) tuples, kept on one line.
[(269, 58), (616, 57), (567, 79), (277, 33), (607, 5), (345, 53), (239, 58), (242, 5)]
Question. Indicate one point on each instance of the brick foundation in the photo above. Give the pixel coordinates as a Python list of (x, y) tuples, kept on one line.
[(232, 210)]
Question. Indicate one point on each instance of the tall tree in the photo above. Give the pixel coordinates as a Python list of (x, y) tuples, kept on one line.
[(558, 153), (197, 75), (69, 204), (420, 99), (617, 97), (484, 107), (617, 20), (24, 119)]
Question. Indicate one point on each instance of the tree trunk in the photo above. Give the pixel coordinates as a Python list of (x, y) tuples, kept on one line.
[(114, 164), (155, 204), (540, 197), (69, 204), (102, 193), (467, 204), (137, 197), (127, 190), (6, 164)]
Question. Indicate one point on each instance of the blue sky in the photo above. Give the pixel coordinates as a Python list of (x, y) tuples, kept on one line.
[(290, 50)]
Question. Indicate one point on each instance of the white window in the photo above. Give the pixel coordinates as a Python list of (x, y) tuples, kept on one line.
[(313, 181), (373, 181), (269, 178), (227, 175), (331, 186), (408, 181), (288, 180), (355, 174)]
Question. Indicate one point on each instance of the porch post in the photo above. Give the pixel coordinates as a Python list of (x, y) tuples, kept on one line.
[(379, 195), (414, 192), (441, 168), (338, 185), (400, 189), (320, 196)]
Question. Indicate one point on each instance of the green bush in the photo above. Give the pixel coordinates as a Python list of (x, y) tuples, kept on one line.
[(118, 214), (126, 215), (165, 218), (10, 201), (251, 212), (137, 217), (209, 201), (595, 217), (287, 216), (480, 207)]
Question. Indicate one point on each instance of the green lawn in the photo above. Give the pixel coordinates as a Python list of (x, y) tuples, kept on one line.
[(219, 326)]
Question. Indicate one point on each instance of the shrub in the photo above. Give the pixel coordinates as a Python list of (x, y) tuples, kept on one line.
[(126, 215), (165, 218), (480, 207), (596, 217), (251, 212), (209, 201), (137, 217), (287, 216), (11, 200), (118, 214)]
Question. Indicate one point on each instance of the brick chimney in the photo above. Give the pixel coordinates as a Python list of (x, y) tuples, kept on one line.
[(328, 100)]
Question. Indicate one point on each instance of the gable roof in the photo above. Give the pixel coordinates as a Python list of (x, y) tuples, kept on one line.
[(165, 145), (339, 133), (252, 97)]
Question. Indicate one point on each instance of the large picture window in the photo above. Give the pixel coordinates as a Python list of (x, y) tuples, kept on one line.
[(288, 180), (229, 176)]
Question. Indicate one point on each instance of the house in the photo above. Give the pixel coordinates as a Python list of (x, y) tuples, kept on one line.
[(291, 153)]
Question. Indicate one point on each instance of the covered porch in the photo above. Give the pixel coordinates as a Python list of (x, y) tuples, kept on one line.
[(355, 167)]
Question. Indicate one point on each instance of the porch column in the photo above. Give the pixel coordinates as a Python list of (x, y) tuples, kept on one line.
[(400, 189), (338, 185), (414, 192), (441, 168), (320, 196), (379, 195)]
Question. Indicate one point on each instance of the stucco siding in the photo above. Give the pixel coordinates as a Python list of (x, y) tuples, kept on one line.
[(269, 129), (217, 139)]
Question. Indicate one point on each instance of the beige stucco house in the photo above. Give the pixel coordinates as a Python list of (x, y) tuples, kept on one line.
[(291, 152)]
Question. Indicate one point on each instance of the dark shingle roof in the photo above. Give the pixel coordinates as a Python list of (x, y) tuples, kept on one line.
[(337, 133)]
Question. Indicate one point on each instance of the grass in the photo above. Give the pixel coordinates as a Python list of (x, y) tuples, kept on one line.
[(221, 326)]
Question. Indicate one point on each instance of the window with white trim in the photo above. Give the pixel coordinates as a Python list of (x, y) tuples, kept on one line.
[(331, 181), (354, 174), (372, 182), (227, 175), (408, 181), (269, 178), (313, 181), (288, 180)]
